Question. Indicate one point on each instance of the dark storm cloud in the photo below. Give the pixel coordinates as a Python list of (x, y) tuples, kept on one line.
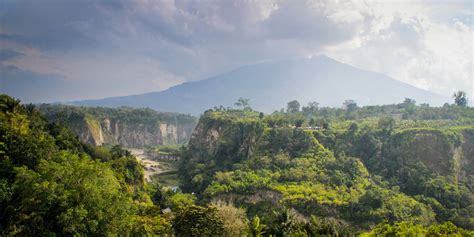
[(30, 86), (59, 24), (53, 24), (161, 43)]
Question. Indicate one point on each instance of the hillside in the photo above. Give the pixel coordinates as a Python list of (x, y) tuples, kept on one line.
[(51, 184), (329, 172), (123, 126), (354, 170), (271, 84)]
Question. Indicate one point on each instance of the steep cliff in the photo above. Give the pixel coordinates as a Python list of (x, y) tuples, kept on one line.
[(362, 176), (125, 126), (235, 156), (447, 152)]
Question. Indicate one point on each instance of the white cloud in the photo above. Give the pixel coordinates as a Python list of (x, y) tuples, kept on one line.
[(411, 45)]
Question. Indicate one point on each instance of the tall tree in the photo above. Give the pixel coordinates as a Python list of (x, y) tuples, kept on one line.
[(311, 108), (244, 103), (349, 105), (460, 98), (293, 106)]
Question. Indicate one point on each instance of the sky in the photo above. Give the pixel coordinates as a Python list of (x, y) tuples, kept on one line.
[(63, 50)]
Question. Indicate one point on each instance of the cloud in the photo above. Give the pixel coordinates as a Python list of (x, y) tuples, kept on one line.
[(107, 48), (6, 54), (417, 49), (30, 86)]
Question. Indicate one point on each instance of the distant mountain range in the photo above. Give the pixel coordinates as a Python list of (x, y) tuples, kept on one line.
[(270, 85)]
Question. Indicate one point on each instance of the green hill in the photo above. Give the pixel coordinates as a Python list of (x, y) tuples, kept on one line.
[(359, 168), (371, 171)]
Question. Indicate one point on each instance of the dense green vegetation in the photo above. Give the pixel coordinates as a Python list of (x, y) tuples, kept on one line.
[(126, 114), (306, 171), (52, 184), (350, 168)]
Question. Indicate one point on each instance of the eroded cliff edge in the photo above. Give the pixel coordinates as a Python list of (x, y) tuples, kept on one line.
[(128, 127)]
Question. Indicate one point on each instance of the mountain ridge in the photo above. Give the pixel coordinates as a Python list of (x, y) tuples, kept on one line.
[(269, 85)]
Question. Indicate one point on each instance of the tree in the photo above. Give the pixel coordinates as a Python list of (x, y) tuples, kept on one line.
[(181, 200), (234, 219), (285, 222), (409, 105), (349, 105), (409, 102), (117, 152), (9, 104), (312, 122), (387, 124), (460, 98), (299, 122), (326, 227), (446, 229), (69, 195), (293, 106), (257, 228), (397, 229), (311, 108), (244, 103), (198, 221)]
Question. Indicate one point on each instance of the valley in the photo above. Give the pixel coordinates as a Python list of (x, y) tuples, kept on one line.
[(151, 166), (163, 171), (315, 170), (237, 118)]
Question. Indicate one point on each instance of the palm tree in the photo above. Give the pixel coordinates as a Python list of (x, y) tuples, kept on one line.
[(9, 104), (257, 228), (460, 98)]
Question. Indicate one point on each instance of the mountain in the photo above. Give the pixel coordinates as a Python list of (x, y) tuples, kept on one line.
[(270, 85)]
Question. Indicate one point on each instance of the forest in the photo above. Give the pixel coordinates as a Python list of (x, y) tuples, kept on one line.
[(392, 170)]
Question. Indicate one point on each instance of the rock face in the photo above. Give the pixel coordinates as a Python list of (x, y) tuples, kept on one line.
[(110, 131), (442, 153), (467, 161), (135, 128)]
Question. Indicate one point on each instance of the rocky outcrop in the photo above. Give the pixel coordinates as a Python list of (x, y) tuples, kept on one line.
[(110, 131), (133, 128)]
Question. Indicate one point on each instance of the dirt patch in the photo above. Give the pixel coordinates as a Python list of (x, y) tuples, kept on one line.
[(152, 167)]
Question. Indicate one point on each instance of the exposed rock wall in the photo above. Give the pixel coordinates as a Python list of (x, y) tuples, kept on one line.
[(133, 128), (110, 131)]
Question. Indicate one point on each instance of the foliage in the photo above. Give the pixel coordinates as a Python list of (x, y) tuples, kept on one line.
[(198, 221), (293, 107), (399, 170), (244, 103), (460, 98), (234, 219), (53, 184), (410, 229), (70, 195), (256, 228), (356, 173)]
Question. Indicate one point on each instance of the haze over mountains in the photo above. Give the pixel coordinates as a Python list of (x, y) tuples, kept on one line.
[(270, 85)]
